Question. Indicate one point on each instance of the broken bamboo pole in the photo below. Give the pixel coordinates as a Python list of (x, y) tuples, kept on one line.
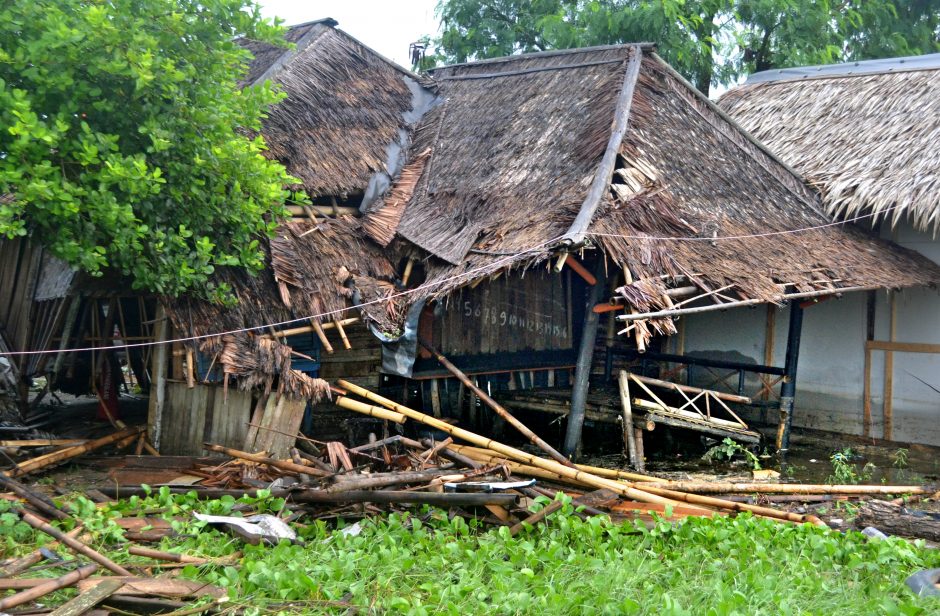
[(510, 452), (73, 543), (497, 408), (168, 556), (68, 453), (261, 459), (46, 588)]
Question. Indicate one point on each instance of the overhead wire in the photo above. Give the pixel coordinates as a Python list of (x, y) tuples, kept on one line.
[(427, 285)]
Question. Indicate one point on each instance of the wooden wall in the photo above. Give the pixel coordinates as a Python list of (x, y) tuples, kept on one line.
[(202, 414), (530, 312), (20, 260)]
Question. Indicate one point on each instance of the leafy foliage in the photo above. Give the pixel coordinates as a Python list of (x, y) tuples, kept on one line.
[(125, 139), (727, 449), (709, 41), (427, 562)]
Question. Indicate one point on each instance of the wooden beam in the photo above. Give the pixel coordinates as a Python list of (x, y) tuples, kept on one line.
[(581, 271), (902, 347), (889, 370)]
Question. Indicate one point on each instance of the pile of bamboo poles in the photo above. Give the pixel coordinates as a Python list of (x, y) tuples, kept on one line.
[(634, 486)]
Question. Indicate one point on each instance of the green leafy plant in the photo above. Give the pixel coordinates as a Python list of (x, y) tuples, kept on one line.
[(899, 458), (128, 143), (844, 469), (728, 449)]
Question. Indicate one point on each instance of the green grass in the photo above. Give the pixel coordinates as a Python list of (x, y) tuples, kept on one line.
[(426, 563)]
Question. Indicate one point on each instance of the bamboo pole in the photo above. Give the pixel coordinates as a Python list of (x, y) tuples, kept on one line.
[(342, 334), (367, 409), (55, 457), (306, 329), (48, 587), (260, 459), (609, 473), (321, 335), (510, 452), (790, 488), (168, 556), (698, 499), (25, 562), (74, 544), (42, 504), (497, 408)]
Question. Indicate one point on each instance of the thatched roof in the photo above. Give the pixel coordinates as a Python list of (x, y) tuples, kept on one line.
[(866, 134), (509, 161), (344, 123)]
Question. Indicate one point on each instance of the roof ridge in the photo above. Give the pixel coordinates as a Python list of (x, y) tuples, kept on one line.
[(859, 68), (546, 54)]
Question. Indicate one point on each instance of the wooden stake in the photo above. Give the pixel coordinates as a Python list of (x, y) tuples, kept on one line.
[(74, 544)]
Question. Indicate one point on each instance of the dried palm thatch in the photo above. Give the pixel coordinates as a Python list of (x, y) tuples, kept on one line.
[(345, 106), (518, 141), (256, 362), (867, 141), (313, 270), (681, 176)]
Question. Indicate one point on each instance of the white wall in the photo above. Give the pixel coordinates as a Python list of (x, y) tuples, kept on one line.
[(830, 373)]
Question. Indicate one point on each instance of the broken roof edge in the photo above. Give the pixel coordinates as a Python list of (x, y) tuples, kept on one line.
[(605, 170), (880, 66)]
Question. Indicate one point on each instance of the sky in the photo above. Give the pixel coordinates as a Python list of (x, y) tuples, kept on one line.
[(387, 26)]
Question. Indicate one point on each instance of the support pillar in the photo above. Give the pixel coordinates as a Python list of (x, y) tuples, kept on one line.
[(582, 373), (788, 389)]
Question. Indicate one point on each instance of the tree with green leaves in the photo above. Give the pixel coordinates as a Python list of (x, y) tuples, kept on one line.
[(711, 42), (127, 143)]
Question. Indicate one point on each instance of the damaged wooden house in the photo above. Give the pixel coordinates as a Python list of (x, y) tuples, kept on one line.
[(870, 363), (524, 232)]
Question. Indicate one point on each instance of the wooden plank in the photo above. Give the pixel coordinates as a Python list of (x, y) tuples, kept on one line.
[(902, 347), (628, 435), (89, 598)]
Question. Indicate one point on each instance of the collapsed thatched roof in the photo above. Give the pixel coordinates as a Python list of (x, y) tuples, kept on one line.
[(508, 162), (865, 133), (343, 124)]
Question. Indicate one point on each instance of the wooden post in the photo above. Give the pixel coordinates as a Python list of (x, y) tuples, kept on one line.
[(628, 432), (640, 454), (435, 398), (583, 365), (788, 389), (158, 379), (889, 369), (769, 335)]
